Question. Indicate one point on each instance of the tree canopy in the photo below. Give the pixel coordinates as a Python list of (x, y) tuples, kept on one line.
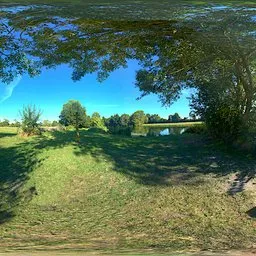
[(210, 53), (73, 114)]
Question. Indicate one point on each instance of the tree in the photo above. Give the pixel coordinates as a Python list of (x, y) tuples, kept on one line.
[(138, 118), (155, 118), (217, 61), (5, 122), (87, 122), (74, 114), (16, 123), (192, 115), (174, 118), (125, 120), (30, 116), (46, 123), (97, 121), (55, 123), (114, 121)]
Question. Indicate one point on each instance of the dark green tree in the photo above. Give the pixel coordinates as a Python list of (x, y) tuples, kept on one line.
[(125, 120), (175, 118), (74, 114), (155, 118)]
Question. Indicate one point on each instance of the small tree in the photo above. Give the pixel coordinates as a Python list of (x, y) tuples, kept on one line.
[(73, 113), (30, 116)]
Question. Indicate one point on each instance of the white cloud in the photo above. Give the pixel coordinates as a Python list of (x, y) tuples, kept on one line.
[(6, 90)]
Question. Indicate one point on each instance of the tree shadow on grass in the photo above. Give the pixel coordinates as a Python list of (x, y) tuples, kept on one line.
[(16, 162), (252, 212), (154, 161), (6, 134), (166, 160)]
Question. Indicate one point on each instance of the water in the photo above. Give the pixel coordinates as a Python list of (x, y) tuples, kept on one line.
[(157, 131)]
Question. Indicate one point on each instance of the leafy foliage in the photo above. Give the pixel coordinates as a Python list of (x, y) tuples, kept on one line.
[(97, 122), (5, 122), (217, 61), (30, 116), (74, 114), (174, 118), (138, 118)]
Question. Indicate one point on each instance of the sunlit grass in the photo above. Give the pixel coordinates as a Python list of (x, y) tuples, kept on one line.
[(113, 192)]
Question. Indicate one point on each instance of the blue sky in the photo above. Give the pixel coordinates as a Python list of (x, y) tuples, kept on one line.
[(50, 90)]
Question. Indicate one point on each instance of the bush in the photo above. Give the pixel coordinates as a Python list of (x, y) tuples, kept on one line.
[(225, 123), (97, 130), (196, 129)]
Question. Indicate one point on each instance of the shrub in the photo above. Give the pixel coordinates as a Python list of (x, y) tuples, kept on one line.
[(97, 130), (225, 123), (30, 116), (196, 129)]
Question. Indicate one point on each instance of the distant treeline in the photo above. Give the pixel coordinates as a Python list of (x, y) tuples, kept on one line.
[(138, 118), (15, 123)]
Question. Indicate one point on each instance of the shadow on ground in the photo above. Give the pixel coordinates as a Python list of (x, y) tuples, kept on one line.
[(6, 134), (15, 164), (154, 161), (166, 160), (252, 212)]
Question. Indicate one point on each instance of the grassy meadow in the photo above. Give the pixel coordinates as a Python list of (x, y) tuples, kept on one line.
[(111, 192)]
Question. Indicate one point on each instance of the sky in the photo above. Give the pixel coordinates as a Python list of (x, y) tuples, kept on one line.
[(54, 87)]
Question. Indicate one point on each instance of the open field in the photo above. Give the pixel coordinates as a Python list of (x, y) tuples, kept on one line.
[(178, 192), (181, 124)]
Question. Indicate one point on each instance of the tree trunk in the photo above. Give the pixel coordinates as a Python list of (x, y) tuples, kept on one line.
[(77, 129), (245, 77)]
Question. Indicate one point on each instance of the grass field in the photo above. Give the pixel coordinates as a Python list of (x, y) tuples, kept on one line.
[(113, 192)]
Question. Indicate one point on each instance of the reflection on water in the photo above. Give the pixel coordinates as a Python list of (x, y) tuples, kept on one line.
[(157, 131)]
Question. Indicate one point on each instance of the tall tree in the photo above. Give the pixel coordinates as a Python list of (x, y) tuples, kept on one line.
[(73, 113)]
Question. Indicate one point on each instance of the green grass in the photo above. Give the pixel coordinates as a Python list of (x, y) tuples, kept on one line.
[(113, 192), (180, 124)]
